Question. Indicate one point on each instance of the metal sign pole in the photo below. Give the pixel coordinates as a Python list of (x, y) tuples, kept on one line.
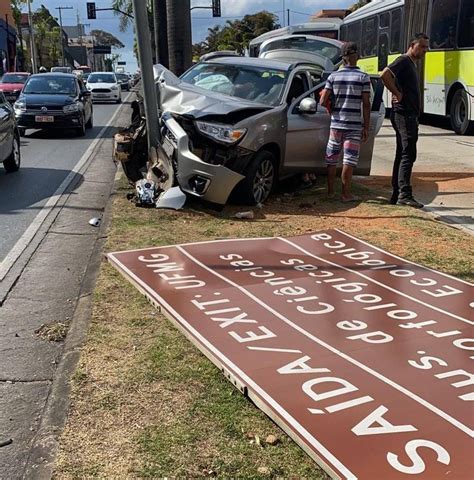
[(146, 64)]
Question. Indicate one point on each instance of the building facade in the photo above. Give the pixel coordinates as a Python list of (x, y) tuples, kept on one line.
[(8, 38)]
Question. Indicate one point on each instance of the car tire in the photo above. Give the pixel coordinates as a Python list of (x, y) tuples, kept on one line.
[(259, 180), (12, 163), (90, 122), (81, 131), (22, 131), (119, 100), (459, 113)]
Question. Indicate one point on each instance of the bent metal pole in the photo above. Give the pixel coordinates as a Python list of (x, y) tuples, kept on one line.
[(145, 59)]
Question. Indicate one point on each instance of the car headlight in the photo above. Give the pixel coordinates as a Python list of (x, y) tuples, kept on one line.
[(89, 87), (74, 107), (221, 132), (19, 107), (114, 87)]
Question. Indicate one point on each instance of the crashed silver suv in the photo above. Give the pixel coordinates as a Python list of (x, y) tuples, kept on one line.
[(239, 125)]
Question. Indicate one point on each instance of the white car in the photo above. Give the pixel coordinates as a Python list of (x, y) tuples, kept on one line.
[(104, 86)]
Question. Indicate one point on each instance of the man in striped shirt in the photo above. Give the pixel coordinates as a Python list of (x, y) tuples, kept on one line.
[(348, 91)]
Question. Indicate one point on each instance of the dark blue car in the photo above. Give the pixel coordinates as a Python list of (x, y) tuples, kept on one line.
[(54, 101)]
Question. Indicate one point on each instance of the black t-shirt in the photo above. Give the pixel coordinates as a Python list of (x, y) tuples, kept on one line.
[(406, 76)]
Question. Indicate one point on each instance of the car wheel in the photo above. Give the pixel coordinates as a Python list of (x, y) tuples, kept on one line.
[(459, 113), (90, 122), (119, 99), (259, 181), (12, 163), (22, 131), (81, 131)]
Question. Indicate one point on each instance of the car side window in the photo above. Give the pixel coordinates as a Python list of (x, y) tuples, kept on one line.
[(298, 86)]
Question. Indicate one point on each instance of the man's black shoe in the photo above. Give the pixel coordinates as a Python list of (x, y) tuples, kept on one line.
[(410, 202), (394, 198)]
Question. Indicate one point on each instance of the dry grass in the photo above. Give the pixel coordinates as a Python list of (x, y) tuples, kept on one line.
[(147, 404)]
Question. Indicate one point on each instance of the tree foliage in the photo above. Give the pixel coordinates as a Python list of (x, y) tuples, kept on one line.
[(236, 34), (107, 39)]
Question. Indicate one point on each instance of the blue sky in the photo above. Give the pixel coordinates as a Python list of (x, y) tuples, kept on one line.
[(201, 19)]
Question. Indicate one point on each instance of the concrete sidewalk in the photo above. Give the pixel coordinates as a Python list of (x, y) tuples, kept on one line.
[(443, 176), (53, 292)]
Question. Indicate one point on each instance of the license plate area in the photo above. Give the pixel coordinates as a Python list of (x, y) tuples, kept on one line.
[(44, 118)]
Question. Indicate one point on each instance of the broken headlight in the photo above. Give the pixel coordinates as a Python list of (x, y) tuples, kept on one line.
[(220, 132)]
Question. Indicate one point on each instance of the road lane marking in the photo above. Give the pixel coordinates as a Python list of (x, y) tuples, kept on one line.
[(30, 232)]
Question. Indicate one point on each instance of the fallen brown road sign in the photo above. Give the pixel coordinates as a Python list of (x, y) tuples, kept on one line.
[(361, 356)]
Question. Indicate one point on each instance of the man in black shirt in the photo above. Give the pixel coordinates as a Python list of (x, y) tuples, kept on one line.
[(401, 78)]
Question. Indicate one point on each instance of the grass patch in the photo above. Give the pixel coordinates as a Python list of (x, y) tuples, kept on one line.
[(147, 404)]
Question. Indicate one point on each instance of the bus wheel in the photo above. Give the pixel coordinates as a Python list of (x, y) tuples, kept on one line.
[(459, 112)]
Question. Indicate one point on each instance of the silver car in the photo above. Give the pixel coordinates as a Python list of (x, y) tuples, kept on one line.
[(240, 124)]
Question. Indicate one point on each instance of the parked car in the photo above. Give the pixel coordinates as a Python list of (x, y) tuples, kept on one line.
[(52, 101), (9, 137), (61, 70), (104, 86), (12, 83), (242, 124), (124, 81)]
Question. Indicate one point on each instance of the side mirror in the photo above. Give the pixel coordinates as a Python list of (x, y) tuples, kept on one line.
[(308, 105)]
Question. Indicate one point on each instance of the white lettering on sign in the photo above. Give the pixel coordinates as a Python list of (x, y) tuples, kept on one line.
[(366, 426), (418, 465)]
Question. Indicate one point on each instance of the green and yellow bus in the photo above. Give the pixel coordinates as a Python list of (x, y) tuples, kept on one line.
[(382, 30)]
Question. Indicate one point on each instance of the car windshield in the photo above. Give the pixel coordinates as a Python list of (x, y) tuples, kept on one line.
[(50, 84), (259, 84), (333, 52), (122, 77), (101, 78), (13, 78)]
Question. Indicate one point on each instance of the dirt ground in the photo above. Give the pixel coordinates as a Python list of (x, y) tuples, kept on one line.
[(147, 404)]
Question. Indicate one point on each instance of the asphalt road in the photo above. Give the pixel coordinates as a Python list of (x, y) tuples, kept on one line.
[(47, 158)]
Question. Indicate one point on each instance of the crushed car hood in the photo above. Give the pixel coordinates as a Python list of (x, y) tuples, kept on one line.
[(183, 98)]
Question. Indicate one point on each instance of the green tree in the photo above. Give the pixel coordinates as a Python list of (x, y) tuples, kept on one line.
[(54, 37), (236, 34), (16, 12), (107, 39)]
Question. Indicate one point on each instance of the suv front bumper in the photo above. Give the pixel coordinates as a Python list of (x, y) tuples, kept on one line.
[(213, 183)]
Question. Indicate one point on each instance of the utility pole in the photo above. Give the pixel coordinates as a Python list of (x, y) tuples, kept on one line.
[(61, 26), (288, 20), (283, 16), (32, 39), (145, 58)]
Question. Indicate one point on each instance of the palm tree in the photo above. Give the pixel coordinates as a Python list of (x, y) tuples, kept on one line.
[(161, 32), (178, 13)]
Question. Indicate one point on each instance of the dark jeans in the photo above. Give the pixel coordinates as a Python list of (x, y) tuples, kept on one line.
[(406, 130)]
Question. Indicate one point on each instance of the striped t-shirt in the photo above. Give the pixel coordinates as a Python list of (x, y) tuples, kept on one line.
[(347, 84)]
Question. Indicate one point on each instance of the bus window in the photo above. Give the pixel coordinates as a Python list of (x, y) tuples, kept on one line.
[(383, 50), (353, 33), (343, 34), (384, 20), (369, 44), (466, 24), (443, 24), (396, 31)]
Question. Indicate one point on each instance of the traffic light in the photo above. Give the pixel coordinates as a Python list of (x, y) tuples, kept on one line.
[(216, 8), (91, 13)]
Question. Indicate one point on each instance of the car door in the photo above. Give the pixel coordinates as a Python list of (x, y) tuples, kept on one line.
[(7, 128), (377, 114), (307, 134), (316, 130), (85, 99)]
